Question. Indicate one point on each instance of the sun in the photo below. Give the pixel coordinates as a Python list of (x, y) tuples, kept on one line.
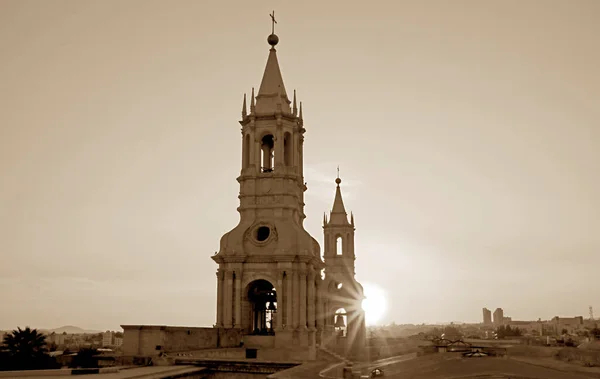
[(375, 304)]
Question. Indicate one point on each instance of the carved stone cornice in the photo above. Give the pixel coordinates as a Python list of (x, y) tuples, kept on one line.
[(229, 258)]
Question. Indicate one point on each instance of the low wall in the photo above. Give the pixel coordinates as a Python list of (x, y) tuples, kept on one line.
[(533, 351), (385, 351), (586, 357), (151, 340), (227, 353)]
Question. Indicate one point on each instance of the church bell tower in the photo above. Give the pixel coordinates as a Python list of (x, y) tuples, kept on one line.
[(343, 294), (268, 277)]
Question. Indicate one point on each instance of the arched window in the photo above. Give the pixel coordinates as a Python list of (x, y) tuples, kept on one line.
[(267, 153), (338, 245), (287, 149), (340, 322), (263, 299), (246, 156)]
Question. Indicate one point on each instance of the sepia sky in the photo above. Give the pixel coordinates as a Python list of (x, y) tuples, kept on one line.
[(467, 134)]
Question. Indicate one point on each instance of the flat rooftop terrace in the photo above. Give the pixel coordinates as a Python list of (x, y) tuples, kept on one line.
[(149, 372)]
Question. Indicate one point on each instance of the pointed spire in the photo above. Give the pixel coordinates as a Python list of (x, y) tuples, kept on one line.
[(252, 106), (300, 115), (244, 112), (272, 90), (351, 218), (295, 108), (338, 212), (324, 218)]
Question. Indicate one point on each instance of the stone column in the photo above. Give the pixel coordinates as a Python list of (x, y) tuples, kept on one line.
[(319, 312), (295, 299), (311, 299), (238, 299), (228, 300), (257, 151), (301, 156), (289, 319), (319, 305), (279, 293), (220, 298), (279, 158), (303, 299)]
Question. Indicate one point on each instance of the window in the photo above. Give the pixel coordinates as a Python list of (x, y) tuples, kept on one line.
[(287, 149), (338, 245), (246, 152), (267, 153), (262, 233)]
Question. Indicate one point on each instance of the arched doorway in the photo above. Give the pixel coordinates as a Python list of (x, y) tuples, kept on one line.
[(263, 305)]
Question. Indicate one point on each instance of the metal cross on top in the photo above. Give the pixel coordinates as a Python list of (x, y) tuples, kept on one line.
[(273, 22)]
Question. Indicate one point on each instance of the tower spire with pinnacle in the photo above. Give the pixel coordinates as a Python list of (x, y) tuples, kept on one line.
[(272, 93), (338, 212)]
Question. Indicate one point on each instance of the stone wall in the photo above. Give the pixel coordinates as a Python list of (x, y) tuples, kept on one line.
[(151, 340)]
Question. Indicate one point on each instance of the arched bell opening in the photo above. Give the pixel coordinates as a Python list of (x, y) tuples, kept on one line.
[(340, 322), (267, 149), (263, 304)]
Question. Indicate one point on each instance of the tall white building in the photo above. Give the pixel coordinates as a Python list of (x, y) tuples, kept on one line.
[(107, 338)]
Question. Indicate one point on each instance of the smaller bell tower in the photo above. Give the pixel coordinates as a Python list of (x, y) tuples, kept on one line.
[(345, 318)]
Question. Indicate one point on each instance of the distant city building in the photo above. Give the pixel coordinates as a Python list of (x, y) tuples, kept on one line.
[(568, 324), (506, 320), (107, 338), (498, 316), (58, 339), (118, 341), (487, 316)]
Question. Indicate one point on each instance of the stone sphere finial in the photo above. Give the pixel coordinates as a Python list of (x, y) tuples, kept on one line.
[(273, 39), (338, 181)]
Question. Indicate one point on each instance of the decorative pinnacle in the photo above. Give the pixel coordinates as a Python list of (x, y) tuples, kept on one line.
[(300, 115), (244, 112), (338, 180), (252, 106), (294, 108)]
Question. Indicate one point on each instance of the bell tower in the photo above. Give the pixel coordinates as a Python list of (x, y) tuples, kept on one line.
[(344, 318), (267, 279)]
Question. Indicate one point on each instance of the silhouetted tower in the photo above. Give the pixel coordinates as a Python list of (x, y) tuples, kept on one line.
[(344, 295), (591, 313)]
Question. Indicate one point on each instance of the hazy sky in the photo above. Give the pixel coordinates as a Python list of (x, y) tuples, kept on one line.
[(467, 134)]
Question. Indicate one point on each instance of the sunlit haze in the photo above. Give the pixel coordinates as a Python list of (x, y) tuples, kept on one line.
[(374, 304), (466, 133)]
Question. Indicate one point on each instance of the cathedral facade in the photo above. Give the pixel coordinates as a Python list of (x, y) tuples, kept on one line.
[(272, 282)]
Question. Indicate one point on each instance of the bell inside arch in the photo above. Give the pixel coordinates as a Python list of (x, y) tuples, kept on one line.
[(271, 306), (339, 321)]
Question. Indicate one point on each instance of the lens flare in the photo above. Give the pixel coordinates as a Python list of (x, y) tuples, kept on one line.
[(375, 303)]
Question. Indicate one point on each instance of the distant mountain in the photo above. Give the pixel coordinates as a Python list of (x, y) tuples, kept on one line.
[(69, 329)]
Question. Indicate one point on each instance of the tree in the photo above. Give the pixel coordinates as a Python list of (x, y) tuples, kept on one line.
[(506, 331), (25, 349)]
